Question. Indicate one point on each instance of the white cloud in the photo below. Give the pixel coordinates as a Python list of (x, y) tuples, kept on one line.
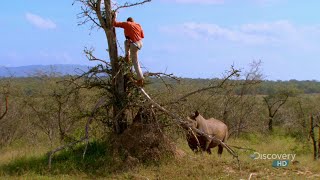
[(260, 33), (277, 25), (197, 1), (206, 31), (40, 22)]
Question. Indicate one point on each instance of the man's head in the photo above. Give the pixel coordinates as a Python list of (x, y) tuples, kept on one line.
[(130, 19)]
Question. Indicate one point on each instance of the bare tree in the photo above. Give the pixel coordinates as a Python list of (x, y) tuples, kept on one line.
[(7, 126), (99, 13), (244, 103), (274, 103), (55, 109), (315, 123), (5, 94), (238, 103)]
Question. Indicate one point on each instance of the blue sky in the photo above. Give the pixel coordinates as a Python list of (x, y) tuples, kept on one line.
[(190, 38)]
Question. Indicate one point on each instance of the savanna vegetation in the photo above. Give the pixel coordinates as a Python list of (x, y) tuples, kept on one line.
[(46, 111), (101, 125)]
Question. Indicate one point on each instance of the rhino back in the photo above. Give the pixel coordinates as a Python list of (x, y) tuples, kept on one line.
[(217, 128)]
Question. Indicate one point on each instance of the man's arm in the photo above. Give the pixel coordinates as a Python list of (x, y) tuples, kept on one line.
[(117, 24)]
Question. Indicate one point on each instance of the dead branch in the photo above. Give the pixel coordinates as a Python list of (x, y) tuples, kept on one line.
[(91, 57), (126, 5), (160, 76), (87, 16), (238, 147), (184, 124), (234, 72), (194, 135), (100, 102), (89, 13)]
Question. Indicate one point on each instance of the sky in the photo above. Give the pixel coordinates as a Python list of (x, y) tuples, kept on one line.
[(189, 38)]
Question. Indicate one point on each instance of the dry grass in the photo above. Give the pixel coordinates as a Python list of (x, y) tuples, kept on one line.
[(192, 166), (11, 153), (204, 166)]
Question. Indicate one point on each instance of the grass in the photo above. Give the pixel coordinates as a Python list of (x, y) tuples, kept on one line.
[(97, 162), (100, 164)]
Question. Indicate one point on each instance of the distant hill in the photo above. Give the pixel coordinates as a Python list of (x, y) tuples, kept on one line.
[(26, 71)]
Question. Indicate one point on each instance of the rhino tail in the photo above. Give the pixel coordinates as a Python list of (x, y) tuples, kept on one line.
[(226, 136)]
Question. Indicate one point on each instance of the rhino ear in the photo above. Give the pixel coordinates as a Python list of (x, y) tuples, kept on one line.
[(196, 113)]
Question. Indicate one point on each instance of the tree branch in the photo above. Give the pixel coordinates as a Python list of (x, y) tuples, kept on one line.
[(126, 5), (6, 110), (184, 124), (160, 76), (91, 57), (233, 73), (283, 101)]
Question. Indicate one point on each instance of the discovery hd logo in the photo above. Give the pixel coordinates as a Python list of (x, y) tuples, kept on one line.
[(279, 160)]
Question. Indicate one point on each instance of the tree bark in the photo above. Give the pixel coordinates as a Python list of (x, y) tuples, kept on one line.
[(118, 85), (276, 105), (102, 10), (318, 142), (312, 135), (270, 123)]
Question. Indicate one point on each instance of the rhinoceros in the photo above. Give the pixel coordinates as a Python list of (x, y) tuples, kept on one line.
[(212, 127)]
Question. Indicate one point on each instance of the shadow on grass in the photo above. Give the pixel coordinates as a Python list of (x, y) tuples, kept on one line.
[(98, 161)]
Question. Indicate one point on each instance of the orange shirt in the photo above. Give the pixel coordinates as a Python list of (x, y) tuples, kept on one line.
[(131, 29)]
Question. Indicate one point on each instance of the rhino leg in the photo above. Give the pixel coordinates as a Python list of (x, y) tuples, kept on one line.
[(208, 146), (220, 149), (209, 150)]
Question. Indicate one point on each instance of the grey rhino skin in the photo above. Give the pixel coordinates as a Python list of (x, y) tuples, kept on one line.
[(211, 127)]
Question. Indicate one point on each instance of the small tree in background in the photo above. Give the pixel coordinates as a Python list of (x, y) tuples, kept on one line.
[(4, 100), (7, 128), (6, 107), (315, 124), (275, 101), (55, 108)]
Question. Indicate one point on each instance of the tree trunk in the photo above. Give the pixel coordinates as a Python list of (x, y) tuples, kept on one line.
[(270, 124), (314, 142), (118, 82), (318, 142)]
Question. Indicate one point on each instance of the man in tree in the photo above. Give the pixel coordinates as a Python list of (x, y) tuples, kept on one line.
[(133, 43)]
